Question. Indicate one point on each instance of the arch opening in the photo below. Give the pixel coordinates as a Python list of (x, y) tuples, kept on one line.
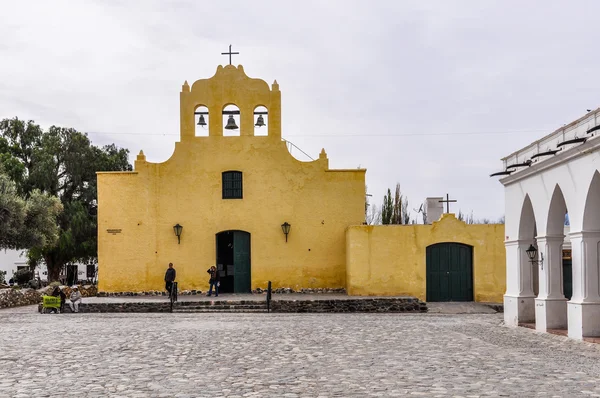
[(261, 121), (528, 233), (231, 120), (557, 226), (201, 121), (591, 212)]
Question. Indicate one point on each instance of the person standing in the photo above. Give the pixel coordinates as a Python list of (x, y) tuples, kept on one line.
[(75, 299), (63, 299), (170, 276), (213, 281)]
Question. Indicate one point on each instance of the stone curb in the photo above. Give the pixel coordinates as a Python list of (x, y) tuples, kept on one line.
[(379, 305)]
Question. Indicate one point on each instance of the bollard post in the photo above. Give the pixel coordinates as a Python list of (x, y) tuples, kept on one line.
[(269, 297)]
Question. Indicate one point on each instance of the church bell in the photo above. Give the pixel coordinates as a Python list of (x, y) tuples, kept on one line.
[(260, 122), (201, 121), (231, 124)]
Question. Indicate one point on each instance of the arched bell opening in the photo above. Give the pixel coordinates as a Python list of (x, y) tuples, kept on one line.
[(231, 120), (261, 121), (201, 123)]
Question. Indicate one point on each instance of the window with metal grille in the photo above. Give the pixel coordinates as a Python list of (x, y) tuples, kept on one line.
[(232, 185)]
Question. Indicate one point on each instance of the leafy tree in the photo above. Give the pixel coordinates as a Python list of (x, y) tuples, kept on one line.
[(387, 209), (26, 223), (61, 162)]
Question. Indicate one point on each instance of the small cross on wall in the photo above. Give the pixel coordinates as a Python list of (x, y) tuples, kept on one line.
[(447, 201), (230, 54)]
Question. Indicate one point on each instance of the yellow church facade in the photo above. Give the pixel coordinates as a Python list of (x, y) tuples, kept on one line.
[(231, 195), (244, 204)]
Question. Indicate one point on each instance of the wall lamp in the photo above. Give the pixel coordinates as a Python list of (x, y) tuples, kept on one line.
[(177, 229), (285, 227), (532, 254)]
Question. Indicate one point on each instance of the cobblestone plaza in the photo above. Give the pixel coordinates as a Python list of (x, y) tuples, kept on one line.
[(287, 355)]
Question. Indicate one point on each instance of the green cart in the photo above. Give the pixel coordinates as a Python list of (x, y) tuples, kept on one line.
[(50, 304)]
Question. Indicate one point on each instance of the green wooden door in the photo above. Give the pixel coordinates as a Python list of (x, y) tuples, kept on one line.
[(449, 272), (241, 262), (568, 278)]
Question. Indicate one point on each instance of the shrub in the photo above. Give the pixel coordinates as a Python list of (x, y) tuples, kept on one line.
[(2, 276), (23, 276)]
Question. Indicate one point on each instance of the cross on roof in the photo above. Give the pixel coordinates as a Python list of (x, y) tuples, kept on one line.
[(229, 53), (447, 201)]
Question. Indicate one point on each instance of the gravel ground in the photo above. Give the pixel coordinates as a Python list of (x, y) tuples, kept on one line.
[(287, 355)]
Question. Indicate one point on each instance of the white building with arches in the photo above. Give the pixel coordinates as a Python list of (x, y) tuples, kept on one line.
[(554, 176)]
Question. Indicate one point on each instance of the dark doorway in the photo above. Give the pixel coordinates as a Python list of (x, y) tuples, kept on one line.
[(449, 272), (72, 274), (233, 261), (568, 278)]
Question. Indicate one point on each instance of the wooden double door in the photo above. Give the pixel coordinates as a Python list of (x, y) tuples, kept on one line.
[(449, 272), (233, 261)]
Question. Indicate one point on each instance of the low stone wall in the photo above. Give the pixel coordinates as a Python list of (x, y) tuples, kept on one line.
[(377, 305), (398, 304), (149, 293), (16, 297), (119, 307)]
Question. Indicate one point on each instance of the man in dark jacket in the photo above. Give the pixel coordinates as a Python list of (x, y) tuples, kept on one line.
[(170, 277)]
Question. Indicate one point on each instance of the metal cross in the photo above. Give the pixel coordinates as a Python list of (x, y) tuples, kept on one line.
[(447, 201), (229, 53)]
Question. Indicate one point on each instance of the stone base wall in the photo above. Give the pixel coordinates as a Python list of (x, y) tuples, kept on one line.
[(404, 304), (18, 297), (280, 290), (379, 305), (289, 290), (119, 307)]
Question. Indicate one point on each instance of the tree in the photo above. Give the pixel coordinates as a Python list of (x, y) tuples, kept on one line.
[(61, 162), (26, 222), (373, 215), (387, 208), (405, 212), (397, 207)]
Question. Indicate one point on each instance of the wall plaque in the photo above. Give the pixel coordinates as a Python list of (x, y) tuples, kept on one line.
[(114, 231)]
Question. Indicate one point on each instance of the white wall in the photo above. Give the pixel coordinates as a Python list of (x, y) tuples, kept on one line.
[(9, 259)]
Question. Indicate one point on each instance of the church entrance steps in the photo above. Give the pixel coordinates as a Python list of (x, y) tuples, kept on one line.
[(280, 303), (218, 310), (221, 306)]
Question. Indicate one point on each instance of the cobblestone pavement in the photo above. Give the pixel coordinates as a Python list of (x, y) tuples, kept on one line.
[(286, 355)]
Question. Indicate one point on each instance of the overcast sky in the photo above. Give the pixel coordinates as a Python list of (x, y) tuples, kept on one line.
[(428, 94)]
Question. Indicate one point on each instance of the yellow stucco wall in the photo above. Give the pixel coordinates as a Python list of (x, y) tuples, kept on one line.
[(137, 210), (390, 260)]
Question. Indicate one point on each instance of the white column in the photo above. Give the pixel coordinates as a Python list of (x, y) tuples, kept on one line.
[(550, 304), (584, 307), (519, 304)]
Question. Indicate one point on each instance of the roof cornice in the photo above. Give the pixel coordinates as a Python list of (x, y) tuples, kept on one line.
[(565, 156)]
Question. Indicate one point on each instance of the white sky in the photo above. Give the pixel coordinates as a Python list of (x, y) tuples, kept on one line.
[(429, 94)]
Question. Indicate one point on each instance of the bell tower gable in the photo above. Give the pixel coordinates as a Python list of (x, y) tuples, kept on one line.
[(230, 85)]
